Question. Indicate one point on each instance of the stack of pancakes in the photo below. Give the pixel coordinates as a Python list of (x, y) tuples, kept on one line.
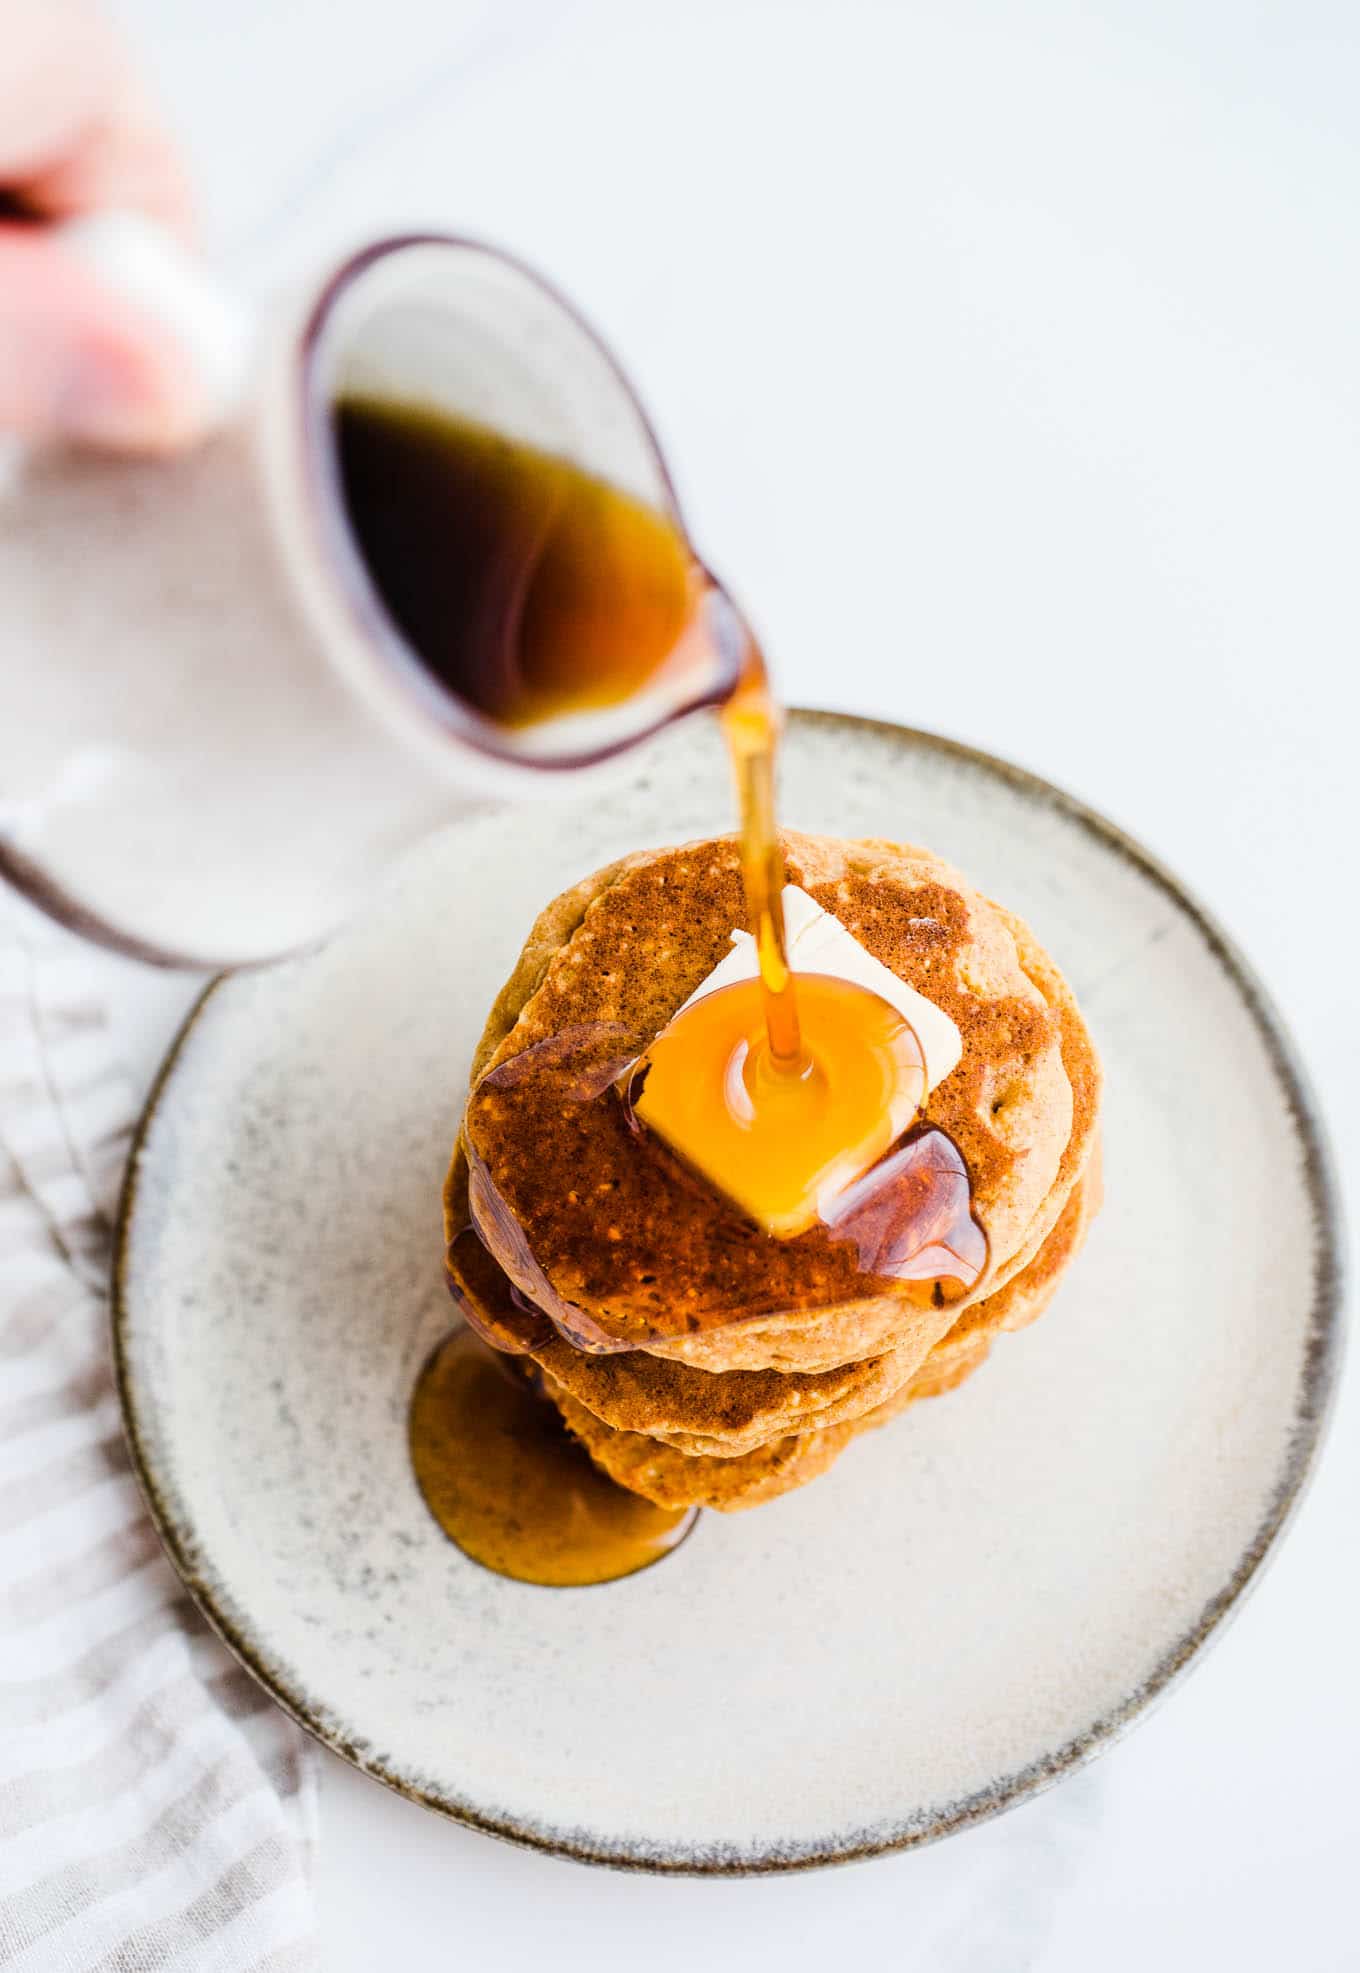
[(726, 1367)]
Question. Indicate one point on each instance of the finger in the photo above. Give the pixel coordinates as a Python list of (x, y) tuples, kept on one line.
[(117, 164), (79, 133), (62, 69), (77, 362)]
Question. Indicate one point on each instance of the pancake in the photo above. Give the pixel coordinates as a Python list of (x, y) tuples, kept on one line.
[(662, 1266), (675, 1479), (725, 1367), (726, 1414)]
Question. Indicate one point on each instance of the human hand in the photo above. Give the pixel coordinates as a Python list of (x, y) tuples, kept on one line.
[(79, 135)]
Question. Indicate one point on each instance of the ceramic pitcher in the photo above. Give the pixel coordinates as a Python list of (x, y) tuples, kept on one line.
[(212, 737)]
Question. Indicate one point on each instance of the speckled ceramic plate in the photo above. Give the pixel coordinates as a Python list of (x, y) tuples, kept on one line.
[(971, 1602)]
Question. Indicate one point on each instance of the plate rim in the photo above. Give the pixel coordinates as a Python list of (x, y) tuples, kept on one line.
[(1321, 1360)]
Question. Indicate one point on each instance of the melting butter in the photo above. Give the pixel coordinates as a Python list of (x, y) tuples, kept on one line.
[(819, 943), (785, 1146)]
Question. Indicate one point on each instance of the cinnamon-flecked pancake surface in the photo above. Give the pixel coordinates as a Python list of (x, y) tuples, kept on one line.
[(658, 1261)]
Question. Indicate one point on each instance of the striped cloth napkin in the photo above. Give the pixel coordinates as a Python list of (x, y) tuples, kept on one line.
[(156, 1810)]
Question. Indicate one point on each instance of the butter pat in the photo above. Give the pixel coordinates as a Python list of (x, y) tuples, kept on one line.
[(784, 1148), (819, 943)]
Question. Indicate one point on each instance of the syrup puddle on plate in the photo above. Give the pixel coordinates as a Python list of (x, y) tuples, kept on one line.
[(509, 1485)]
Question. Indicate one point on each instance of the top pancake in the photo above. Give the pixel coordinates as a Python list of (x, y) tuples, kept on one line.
[(639, 1245)]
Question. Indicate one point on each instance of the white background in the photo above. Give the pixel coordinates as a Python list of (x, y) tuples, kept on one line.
[(1007, 357)]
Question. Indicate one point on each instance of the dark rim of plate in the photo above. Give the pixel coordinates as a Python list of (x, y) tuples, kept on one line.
[(1317, 1384)]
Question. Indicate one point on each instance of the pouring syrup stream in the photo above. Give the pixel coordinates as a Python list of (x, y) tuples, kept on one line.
[(751, 725)]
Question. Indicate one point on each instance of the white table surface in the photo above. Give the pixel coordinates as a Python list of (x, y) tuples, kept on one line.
[(1008, 361)]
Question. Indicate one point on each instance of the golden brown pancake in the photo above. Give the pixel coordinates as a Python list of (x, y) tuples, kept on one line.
[(795, 1352), (675, 1479), (641, 1248), (724, 1414)]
